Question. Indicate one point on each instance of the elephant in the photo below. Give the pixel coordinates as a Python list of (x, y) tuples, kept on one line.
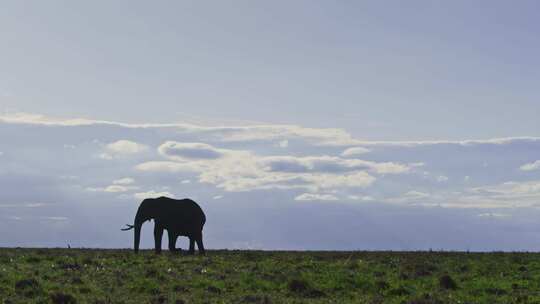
[(182, 217)]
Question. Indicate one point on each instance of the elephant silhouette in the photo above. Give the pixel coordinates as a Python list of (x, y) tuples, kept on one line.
[(179, 217)]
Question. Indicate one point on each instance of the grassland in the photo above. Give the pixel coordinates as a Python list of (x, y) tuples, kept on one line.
[(119, 276)]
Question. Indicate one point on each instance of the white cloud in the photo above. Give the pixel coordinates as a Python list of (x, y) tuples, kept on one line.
[(117, 188), (187, 151), (216, 197), (125, 147), (529, 188), (531, 166), (364, 198), (185, 181), (411, 197), (152, 194), (328, 164), (442, 179), (23, 205), (212, 157), (494, 215), (389, 167), (328, 136), (238, 170), (416, 194), (324, 137), (328, 181), (468, 142), (501, 196), (34, 205), (265, 182), (56, 218), (315, 197), (356, 151), (169, 166), (124, 181), (105, 156)]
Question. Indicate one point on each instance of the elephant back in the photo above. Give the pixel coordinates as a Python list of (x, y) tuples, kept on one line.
[(184, 211)]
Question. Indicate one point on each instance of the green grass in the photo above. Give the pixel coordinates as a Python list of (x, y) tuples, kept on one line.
[(120, 276)]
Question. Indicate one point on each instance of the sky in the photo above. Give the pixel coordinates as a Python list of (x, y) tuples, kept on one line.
[(304, 125)]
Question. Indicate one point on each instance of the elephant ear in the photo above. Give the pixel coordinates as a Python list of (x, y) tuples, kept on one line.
[(129, 227)]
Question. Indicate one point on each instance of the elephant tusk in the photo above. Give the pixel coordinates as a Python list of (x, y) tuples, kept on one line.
[(129, 227)]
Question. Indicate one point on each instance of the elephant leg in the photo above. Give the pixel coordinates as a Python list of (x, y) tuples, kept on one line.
[(191, 245), (200, 243), (158, 235), (172, 242)]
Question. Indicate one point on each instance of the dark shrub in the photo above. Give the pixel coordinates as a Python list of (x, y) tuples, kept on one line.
[(382, 285), (496, 291), (159, 300), (180, 288), (298, 286), (256, 299), (62, 298), (424, 301), (315, 293), (33, 260), (27, 287), (77, 281), (400, 291), (424, 270), (69, 266), (302, 288), (464, 268), (377, 300), (379, 274), (213, 289), (26, 284), (151, 273), (446, 282), (516, 286)]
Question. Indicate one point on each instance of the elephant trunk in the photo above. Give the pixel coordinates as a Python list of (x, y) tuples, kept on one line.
[(139, 220)]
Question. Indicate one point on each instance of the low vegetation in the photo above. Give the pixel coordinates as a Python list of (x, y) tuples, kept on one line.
[(119, 276)]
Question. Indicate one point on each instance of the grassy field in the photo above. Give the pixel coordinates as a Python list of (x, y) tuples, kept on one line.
[(119, 276)]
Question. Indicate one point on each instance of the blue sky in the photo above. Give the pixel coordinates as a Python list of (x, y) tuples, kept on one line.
[(379, 125)]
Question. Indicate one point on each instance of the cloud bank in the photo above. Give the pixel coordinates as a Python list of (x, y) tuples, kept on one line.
[(74, 167)]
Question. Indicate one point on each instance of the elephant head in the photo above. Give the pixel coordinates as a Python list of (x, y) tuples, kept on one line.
[(146, 212)]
